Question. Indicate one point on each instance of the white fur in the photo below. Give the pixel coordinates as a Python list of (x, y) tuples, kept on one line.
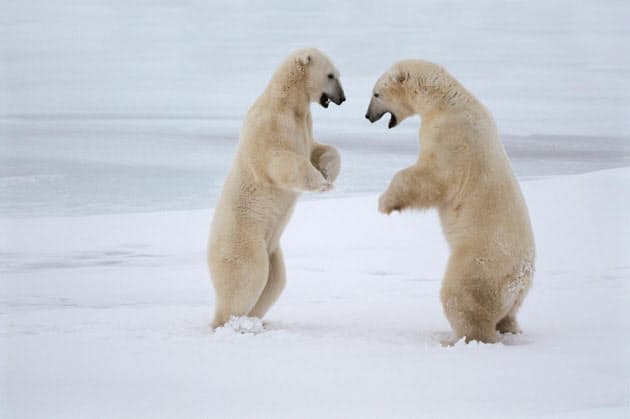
[(464, 172), (277, 158)]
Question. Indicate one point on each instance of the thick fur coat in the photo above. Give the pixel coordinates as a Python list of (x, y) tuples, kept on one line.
[(276, 159), (464, 172)]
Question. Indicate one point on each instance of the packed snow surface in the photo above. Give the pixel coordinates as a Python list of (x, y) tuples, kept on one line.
[(118, 122), (108, 316)]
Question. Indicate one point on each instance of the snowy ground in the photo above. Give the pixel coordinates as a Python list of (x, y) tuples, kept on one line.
[(118, 121), (107, 316)]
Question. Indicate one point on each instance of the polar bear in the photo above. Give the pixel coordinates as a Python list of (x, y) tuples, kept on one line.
[(464, 172), (276, 159)]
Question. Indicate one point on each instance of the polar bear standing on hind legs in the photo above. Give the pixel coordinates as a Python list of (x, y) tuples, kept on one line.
[(276, 159), (464, 172)]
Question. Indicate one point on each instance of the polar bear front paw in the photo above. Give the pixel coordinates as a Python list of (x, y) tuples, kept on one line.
[(325, 187), (319, 184), (329, 165), (387, 204)]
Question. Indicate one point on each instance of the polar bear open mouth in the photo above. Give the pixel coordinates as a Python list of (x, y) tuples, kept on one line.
[(324, 100), (392, 120)]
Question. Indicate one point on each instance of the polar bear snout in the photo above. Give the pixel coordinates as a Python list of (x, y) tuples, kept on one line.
[(373, 117), (335, 94), (338, 99), (376, 112), (372, 114)]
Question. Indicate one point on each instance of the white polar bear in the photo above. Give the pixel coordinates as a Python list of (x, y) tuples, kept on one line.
[(277, 158), (464, 172)]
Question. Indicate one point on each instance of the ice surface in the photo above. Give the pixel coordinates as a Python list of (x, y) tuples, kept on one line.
[(557, 67), (78, 167), (115, 113), (116, 106), (109, 316)]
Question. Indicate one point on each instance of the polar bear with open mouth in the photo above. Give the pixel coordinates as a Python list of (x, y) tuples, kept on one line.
[(276, 159), (464, 172)]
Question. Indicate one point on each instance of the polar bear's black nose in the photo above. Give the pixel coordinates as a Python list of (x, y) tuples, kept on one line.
[(367, 116), (343, 99)]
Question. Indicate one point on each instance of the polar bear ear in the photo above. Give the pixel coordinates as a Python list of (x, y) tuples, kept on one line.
[(399, 76), (304, 59)]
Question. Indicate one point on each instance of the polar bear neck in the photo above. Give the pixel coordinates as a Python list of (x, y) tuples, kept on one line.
[(288, 88), (438, 91)]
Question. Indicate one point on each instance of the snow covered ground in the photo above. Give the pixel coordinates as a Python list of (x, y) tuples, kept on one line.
[(118, 121), (107, 316)]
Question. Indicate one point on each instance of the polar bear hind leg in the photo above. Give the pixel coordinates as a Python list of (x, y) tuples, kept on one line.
[(519, 286), (273, 288), (508, 324), (472, 325), (238, 283), (471, 307)]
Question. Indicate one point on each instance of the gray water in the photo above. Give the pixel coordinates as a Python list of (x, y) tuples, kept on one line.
[(72, 167)]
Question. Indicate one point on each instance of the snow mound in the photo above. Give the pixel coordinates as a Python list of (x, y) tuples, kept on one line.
[(242, 325), (448, 340)]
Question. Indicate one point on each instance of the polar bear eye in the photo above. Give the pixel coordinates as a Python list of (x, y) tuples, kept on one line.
[(376, 95), (331, 76)]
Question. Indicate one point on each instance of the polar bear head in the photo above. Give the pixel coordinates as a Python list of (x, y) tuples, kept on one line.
[(321, 77), (401, 91)]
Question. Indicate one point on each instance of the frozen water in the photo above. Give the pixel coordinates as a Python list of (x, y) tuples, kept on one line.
[(116, 106), (71, 167), (557, 67)]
